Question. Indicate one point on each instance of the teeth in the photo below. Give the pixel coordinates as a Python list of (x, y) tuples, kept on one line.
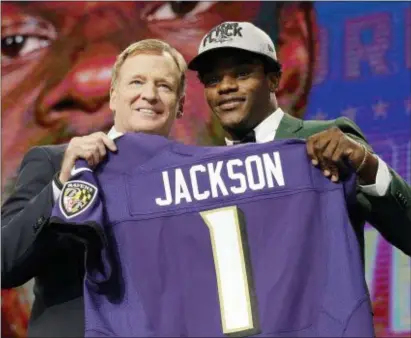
[(232, 100), (147, 111)]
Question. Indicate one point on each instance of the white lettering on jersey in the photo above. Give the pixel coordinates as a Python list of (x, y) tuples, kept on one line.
[(256, 172), (181, 188)]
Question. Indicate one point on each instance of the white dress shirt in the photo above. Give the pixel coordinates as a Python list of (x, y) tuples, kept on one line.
[(266, 130)]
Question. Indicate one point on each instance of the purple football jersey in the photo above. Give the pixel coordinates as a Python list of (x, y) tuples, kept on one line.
[(189, 241)]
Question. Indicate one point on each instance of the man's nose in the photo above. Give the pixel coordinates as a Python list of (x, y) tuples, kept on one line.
[(82, 59), (85, 87), (227, 84), (149, 92)]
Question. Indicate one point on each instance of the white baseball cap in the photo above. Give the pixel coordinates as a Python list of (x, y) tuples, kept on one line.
[(237, 35)]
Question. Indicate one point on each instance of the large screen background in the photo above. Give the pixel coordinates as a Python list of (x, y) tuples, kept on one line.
[(364, 73), (340, 59)]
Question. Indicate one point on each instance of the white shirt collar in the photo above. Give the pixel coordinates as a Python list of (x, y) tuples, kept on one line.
[(113, 133), (266, 130)]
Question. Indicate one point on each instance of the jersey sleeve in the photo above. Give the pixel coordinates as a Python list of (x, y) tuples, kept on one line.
[(79, 214)]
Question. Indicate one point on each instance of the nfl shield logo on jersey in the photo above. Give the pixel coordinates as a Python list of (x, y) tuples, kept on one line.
[(77, 197)]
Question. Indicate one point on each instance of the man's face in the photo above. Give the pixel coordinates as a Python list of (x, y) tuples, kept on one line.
[(57, 59), (146, 95), (237, 89)]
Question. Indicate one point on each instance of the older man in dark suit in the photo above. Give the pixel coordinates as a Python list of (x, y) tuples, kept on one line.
[(147, 95)]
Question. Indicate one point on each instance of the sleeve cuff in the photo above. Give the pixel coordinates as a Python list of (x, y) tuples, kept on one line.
[(57, 186), (382, 181)]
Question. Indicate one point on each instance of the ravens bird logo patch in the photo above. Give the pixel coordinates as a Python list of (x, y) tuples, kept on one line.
[(77, 197)]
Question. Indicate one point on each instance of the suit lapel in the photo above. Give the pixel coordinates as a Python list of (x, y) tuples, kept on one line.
[(289, 127)]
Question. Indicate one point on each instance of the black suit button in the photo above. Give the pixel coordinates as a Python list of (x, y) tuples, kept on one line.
[(402, 199)]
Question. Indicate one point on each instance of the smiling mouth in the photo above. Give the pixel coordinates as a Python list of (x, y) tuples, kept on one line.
[(230, 104), (148, 112)]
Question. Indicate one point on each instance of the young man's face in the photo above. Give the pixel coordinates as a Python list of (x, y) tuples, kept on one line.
[(237, 89)]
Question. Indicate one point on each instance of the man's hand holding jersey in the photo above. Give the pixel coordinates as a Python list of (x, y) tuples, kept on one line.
[(332, 150), (92, 148)]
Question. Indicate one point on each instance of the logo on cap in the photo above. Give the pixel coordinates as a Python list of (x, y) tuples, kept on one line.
[(223, 33)]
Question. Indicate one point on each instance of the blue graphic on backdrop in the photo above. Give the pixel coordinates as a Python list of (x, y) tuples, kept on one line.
[(364, 73)]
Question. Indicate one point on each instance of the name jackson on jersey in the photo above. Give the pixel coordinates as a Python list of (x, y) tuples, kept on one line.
[(222, 178)]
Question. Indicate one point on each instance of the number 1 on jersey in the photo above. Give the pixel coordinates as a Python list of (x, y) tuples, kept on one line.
[(233, 270)]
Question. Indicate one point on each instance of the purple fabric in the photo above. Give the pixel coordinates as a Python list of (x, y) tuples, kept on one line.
[(155, 275)]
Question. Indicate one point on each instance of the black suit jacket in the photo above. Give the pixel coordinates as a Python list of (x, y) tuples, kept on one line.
[(31, 249)]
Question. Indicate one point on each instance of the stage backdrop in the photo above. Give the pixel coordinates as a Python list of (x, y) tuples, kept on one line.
[(342, 59), (364, 73)]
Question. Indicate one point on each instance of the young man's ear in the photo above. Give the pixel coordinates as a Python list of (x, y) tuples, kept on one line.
[(273, 81), (180, 109)]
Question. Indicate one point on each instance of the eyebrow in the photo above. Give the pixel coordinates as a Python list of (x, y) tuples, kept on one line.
[(27, 21), (168, 79)]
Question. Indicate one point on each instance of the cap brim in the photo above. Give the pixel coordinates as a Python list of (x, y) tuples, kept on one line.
[(199, 60), (195, 64)]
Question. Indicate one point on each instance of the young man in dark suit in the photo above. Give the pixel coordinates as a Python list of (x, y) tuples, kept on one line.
[(147, 95), (238, 67)]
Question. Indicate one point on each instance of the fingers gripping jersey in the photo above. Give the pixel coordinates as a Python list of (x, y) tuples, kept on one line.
[(212, 241)]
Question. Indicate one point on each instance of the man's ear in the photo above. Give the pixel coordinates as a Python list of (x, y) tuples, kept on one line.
[(113, 96), (180, 109), (273, 81)]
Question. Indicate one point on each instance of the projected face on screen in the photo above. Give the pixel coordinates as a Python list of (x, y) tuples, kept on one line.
[(57, 59)]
